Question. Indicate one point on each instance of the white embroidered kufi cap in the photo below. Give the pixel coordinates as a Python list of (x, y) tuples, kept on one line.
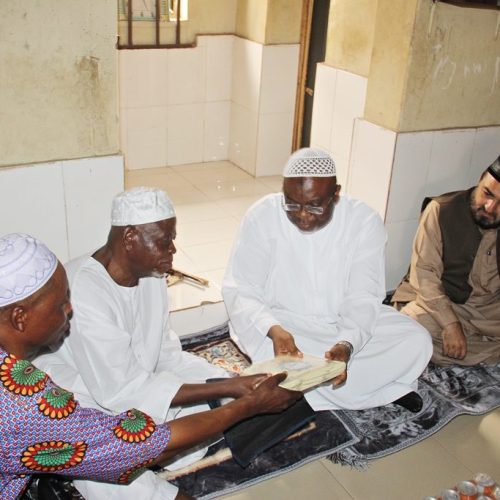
[(310, 162), (141, 205), (26, 264)]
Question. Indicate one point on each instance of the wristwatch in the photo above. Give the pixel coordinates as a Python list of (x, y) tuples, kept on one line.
[(346, 344)]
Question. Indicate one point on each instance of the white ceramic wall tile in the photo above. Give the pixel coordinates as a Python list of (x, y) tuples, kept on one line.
[(219, 63), (33, 198), (247, 69), (274, 143), (186, 75), (342, 169), (450, 162), (279, 78), (371, 164), (486, 149), (143, 77), (123, 127), (146, 137), (409, 175), (216, 130), (243, 138), (185, 133), (400, 237), (323, 106), (350, 96), (88, 216)]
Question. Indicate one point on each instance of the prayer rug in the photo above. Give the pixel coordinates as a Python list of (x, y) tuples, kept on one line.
[(447, 392), (347, 436), (218, 473)]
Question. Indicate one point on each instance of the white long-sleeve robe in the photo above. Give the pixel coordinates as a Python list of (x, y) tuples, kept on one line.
[(324, 287), (122, 354)]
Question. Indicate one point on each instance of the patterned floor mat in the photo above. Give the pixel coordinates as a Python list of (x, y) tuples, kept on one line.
[(347, 437)]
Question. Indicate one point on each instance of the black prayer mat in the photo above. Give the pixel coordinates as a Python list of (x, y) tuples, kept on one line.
[(447, 392), (348, 436)]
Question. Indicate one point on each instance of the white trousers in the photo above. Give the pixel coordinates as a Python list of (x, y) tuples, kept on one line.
[(385, 369)]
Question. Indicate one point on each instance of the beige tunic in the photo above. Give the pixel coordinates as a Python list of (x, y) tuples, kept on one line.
[(479, 316)]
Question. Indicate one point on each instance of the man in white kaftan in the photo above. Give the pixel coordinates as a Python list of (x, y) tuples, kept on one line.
[(121, 352), (312, 264)]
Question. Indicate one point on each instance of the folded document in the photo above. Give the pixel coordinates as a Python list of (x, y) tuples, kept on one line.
[(303, 373)]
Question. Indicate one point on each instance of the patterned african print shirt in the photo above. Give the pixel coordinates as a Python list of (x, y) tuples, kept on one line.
[(43, 429)]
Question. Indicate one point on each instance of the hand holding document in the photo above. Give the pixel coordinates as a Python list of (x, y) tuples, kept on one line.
[(303, 373)]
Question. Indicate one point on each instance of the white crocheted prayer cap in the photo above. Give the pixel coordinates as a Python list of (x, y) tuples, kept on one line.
[(310, 162), (141, 205), (26, 264)]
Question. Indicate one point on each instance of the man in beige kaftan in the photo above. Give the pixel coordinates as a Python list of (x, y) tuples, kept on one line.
[(453, 288)]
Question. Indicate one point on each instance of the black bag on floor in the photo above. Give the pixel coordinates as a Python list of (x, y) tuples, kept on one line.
[(250, 437)]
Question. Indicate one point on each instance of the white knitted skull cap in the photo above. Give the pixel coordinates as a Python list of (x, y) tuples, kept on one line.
[(310, 162)]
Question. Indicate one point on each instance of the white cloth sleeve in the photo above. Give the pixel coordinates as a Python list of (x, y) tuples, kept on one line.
[(365, 291), (243, 288), (103, 354)]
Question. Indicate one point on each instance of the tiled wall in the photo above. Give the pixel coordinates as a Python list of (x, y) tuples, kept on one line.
[(226, 98), (66, 203), (263, 104), (175, 104), (390, 171), (339, 98), (429, 164)]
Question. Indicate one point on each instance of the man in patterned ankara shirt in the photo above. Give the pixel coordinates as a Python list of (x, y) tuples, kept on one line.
[(42, 428)]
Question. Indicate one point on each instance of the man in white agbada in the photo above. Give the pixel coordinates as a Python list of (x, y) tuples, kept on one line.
[(121, 352), (306, 275)]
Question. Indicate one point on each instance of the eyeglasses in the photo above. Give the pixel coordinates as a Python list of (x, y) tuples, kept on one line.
[(310, 209)]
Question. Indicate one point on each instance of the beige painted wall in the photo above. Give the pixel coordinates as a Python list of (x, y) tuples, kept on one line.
[(351, 29), (262, 21), (390, 59), (283, 21), (251, 20), (429, 65), (454, 71), (58, 91), (269, 21)]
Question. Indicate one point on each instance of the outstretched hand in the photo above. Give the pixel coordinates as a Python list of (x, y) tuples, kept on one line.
[(268, 397), (339, 352), (241, 386), (283, 342), (454, 341)]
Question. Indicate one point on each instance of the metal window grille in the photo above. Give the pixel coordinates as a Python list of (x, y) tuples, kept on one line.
[(155, 13)]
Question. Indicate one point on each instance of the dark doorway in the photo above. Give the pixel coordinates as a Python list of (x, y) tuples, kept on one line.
[(313, 45)]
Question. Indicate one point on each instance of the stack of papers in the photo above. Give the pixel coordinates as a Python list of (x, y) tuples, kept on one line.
[(303, 373)]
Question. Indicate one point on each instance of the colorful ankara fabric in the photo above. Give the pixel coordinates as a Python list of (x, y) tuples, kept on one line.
[(43, 429)]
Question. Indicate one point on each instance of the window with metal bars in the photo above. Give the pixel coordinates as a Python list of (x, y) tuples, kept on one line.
[(149, 23)]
